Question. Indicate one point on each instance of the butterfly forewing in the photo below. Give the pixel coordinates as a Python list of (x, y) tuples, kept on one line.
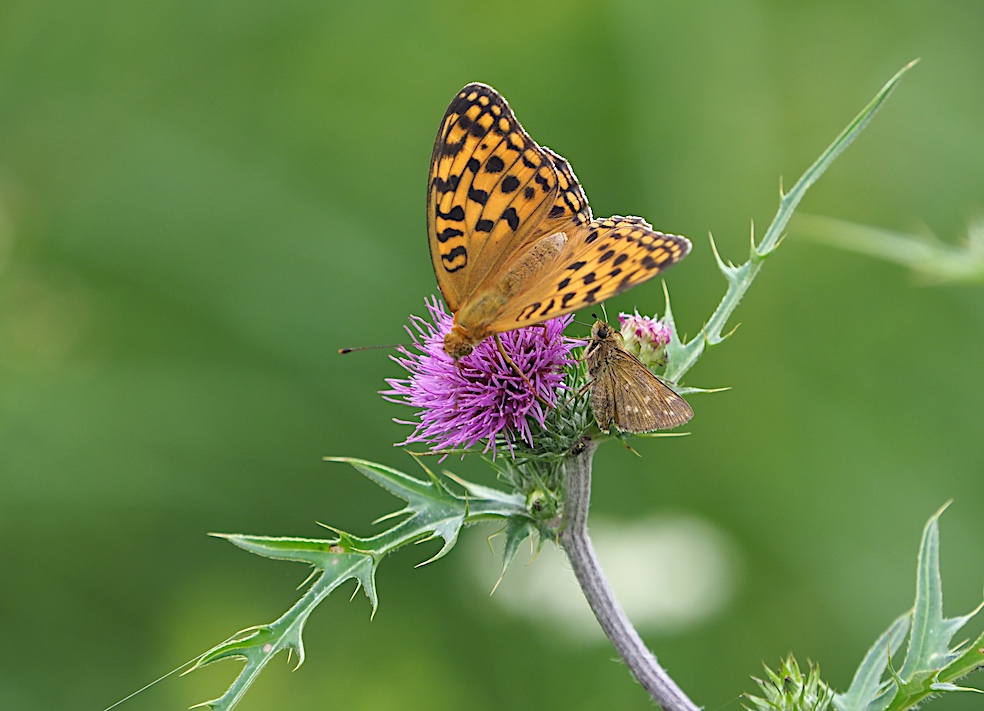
[(490, 186), (623, 391), (571, 204)]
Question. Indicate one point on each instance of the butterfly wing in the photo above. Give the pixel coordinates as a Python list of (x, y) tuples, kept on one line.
[(625, 393), (570, 207), (490, 187), (600, 259)]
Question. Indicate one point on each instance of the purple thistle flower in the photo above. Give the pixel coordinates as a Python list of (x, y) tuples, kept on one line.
[(480, 396), (645, 338)]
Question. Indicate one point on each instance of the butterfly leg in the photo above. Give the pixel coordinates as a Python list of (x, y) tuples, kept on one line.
[(520, 373), (575, 395), (543, 326)]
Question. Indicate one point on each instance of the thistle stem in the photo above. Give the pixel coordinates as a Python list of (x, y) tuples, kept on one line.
[(581, 554)]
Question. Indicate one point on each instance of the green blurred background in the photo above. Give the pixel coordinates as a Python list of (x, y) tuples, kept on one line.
[(202, 201)]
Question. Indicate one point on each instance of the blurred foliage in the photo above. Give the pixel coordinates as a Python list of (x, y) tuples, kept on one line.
[(201, 201), (930, 259)]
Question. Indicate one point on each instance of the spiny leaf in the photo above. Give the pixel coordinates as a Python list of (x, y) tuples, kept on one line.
[(932, 662), (934, 261), (931, 632), (740, 278), (867, 685), (258, 645), (971, 660), (516, 531), (434, 511)]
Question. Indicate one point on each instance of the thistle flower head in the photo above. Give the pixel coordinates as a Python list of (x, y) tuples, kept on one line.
[(645, 338), (480, 396)]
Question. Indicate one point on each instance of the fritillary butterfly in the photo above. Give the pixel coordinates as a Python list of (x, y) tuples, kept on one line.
[(511, 235)]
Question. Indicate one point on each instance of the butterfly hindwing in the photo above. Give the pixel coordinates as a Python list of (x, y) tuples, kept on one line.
[(600, 259), (647, 403)]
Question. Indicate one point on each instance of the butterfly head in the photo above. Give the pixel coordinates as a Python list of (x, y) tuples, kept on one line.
[(457, 343), (601, 331)]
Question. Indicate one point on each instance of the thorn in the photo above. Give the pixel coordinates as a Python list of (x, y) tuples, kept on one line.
[(489, 542), (314, 571), (782, 192), (331, 528), (534, 552), (651, 435), (717, 255), (753, 236), (387, 517), (496, 586)]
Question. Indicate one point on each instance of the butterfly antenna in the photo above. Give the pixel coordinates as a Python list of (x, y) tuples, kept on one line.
[(343, 351)]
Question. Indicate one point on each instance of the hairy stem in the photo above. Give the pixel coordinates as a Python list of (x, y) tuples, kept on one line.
[(580, 551)]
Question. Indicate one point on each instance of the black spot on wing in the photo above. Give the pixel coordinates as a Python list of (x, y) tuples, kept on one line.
[(455, 214), (448, 233), (511, 218), (446, 186), (528, 311), (455, 259)]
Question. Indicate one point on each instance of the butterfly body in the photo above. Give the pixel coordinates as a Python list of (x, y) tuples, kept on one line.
[(512, 239), (623, 391)]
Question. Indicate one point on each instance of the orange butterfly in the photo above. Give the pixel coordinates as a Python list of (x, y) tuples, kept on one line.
[(511, 235)]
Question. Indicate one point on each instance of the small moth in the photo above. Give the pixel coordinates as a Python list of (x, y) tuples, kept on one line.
[(624, 392)]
